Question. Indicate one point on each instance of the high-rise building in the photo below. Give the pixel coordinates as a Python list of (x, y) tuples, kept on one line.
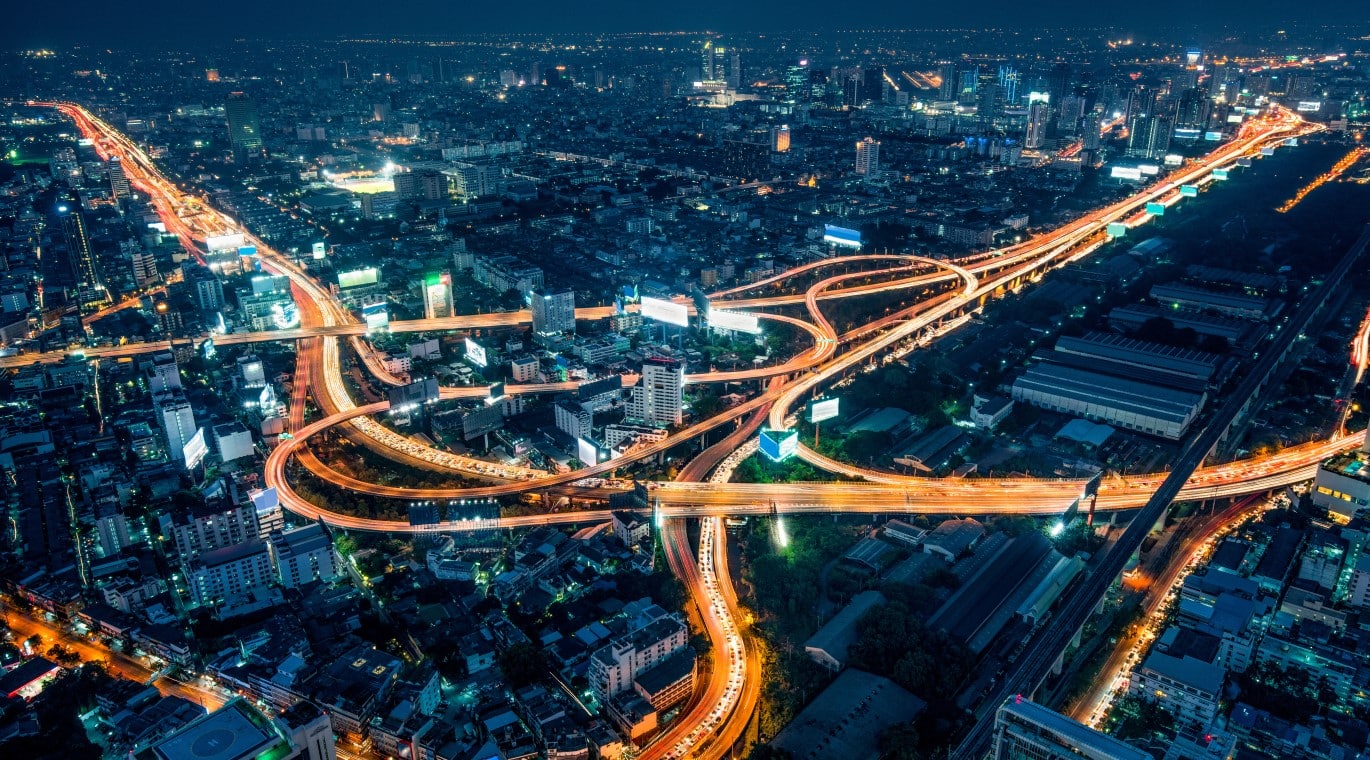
[(949, 78), (658, 398), (437, 296), (304, 555), (1010, 79), (734, 70), (780, 139), (244, 131), (1024, 729), (797, 83), (205, 527), (1148, 136), (177, 420), (84, 266), (118, 181), (228, 574), (238, 731), (708, 62), (614, 666), (1039, 115), (164, 374), (554, 313), (867, 156)]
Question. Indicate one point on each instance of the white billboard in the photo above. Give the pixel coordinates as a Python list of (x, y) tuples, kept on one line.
[(320, 250), (1149, 170), (1126, 172), (195, 449), (824, 409), (1310, 106), (661, 310), (587, 452), (1173, 159), (734, 320), (475, 353), (229, 242)]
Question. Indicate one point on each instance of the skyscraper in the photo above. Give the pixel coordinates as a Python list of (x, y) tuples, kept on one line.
[(707, 62), (867, 156), (177, 421), (84, 266), (437, 296), (554, 313), (1009, 80), (658, 398), (118, 181), (244, 133), (949, 87), (1148, 136), (734, 70), (1039, 113)]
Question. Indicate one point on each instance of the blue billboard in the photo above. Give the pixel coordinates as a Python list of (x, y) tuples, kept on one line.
[(841, 236), (779, 445)]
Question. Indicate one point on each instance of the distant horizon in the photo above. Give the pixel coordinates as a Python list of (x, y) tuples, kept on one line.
[(37, 25)]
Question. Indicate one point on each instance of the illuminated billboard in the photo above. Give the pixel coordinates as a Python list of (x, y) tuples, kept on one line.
[(1292, 142), (779, 445), (495, 393), (195, 449), (1189, 191), (1149, 170), (1155, 209), (661, 310), (320, 250), (230, 242), (1234, 118), (842, 236), (734, 320), (1309, 106), (247, 251), (358, 277), (587, 452), (824, 409), (475, 353), (1213, 136), (1126, 172), (1267, 151), (1220, 174), (1117, 230), (1188, 133), (285, 315), (376, 316), (1174, 159)]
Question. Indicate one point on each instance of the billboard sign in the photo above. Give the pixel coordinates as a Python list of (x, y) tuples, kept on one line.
[(247, 251), (496, 393), (230, 242), (824, 409), (734, 320), (1220, 174), (1155, 209), (1126, 172), (358, 277), (587, 452), (1213, 136), (669, 312), (1174, 159), (1149, 170), (842, 236), (475, 353), (1309, 106), (320, 250), (1189, 191), (195, 449), (376, 315), (1117, 230), (779, 445), (1188, 133)]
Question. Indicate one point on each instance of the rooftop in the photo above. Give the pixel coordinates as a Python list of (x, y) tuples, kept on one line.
[(847, 718), (235, 731)]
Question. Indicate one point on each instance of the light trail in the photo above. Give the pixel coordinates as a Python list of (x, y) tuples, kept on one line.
[(1338, 169)]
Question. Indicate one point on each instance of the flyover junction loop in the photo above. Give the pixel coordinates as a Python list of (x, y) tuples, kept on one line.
[(982, 276)]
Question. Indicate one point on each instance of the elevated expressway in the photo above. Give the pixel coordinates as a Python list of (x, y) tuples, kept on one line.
[(982, 277)]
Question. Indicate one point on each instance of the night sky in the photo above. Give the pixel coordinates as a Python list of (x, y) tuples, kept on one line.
[(33, 23)]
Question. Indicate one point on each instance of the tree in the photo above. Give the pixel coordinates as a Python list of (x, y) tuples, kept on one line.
[(900, 742), (522, 664)]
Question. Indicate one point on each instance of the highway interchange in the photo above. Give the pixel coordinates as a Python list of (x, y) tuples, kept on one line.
[(949, 289)]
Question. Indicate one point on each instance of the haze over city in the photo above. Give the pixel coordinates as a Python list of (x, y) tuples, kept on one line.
[(611, 381)]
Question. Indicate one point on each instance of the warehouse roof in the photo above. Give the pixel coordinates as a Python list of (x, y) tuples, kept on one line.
[(1117, 393)]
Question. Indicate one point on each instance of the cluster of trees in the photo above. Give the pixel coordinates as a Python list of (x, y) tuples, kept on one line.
[(1289, 693)]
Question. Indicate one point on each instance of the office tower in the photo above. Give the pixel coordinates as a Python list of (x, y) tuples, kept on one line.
[(84, 266), (209, 291), (780, 139), (229, 574), (437, 296), (949, 88), (1193, 109), (989, 103), (1024, 729), (970, 85), (1092, 127), (797, 83), (244, 132), (867, 156), (734, 70), (1009, 80), (203, 528), (1058, 85), (164, 374), (118, 181), (1039, 114), (658, 398), (554, 313), (1149, 136), (706, 62), (177, 421)]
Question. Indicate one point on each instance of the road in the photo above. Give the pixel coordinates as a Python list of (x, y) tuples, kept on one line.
[(25, 625), (982, 277)]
